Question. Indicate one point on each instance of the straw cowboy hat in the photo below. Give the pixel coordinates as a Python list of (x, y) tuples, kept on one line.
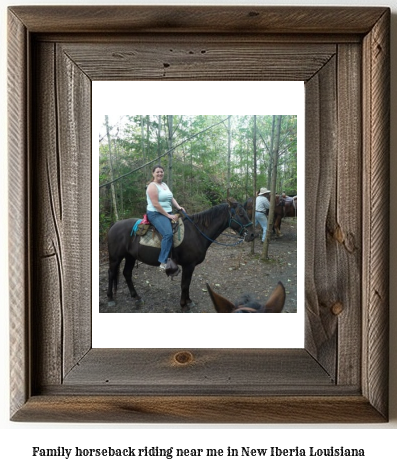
[(263, 191)]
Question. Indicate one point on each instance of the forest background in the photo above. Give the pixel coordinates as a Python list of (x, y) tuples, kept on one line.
[(207, 158)]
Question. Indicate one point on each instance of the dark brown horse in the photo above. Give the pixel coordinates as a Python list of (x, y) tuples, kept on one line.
[(200, 231), (246, 304), (284, 207)]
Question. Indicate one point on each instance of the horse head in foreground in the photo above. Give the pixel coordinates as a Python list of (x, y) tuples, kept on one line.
[(274, 304)]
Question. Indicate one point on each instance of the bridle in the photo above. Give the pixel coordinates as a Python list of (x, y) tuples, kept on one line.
[(243, 227), (246, 309)]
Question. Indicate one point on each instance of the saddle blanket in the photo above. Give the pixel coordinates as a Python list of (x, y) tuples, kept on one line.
[(153, 239)]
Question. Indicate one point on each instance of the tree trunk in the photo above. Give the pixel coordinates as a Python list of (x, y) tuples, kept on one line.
[(229, 151), (254, 192), (275, 151), (116, 214), (271, 158), (147, 147), (170, 154), (159, 139), (143, 147), (117, 161)]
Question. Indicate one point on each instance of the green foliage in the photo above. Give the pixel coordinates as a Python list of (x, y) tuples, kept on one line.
[(199, 165)]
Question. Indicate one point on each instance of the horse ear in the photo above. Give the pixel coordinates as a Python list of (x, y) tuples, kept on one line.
[(231, 201), (277, 299), (220, 303)]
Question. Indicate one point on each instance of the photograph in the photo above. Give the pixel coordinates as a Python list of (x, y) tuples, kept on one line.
[(181, 188)]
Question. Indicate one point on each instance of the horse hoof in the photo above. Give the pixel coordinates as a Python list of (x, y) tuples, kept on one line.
[(191, 304), (139, 301), (111, 303)]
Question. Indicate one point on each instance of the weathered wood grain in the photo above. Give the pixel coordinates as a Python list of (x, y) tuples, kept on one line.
[(199, 19), (19, 223), (341, 376), (73, 89), (334, 215), (226, 369), (376, 143), (346, 228), (320, 174), (199, 409), (208, 59), (47, 330), (62, 223)]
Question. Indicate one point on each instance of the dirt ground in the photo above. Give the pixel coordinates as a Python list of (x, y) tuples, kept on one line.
[(230, 271)]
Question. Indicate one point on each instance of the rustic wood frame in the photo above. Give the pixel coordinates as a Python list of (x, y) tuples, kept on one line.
[(343, 56)]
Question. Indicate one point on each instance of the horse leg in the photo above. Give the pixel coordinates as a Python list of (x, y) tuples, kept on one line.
[(127, 272), (277, 225), (187, 273), (113, 274)]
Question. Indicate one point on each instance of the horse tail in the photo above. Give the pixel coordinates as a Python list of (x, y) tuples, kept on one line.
[(114, 265), (116, 278)]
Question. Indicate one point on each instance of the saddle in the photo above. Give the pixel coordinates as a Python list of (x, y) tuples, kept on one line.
[(288, 199), (150, 237)]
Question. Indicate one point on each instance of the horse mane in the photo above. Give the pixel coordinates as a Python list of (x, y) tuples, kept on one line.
[(205, 218), (247, 303)]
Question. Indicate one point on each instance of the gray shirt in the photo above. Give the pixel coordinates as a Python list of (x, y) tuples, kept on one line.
[(262, 204)]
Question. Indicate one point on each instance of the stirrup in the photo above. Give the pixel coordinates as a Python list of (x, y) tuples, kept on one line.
[(174, 274)]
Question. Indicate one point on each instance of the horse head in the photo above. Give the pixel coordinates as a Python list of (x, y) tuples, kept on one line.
[(279, 201), (274, 304), (239, 220)]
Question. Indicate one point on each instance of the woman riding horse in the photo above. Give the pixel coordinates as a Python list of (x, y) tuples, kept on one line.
[(200, 231), (159, 212)]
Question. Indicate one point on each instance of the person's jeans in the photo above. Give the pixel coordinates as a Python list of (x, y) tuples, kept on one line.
[(163, 225), (260, 218)]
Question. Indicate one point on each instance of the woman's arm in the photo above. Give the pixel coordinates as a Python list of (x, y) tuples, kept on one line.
[(174, 202)]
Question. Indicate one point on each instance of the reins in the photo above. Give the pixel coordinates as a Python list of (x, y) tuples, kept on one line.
[(231, 219)]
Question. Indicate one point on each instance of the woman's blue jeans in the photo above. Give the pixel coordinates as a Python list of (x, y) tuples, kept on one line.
[(260, 218), (163, 225)]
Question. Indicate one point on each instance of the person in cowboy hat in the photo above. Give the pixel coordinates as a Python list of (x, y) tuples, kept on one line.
[(262, 209)]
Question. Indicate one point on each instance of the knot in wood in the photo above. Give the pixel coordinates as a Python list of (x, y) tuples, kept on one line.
[(338, 235), (337, 308), (183, 358)]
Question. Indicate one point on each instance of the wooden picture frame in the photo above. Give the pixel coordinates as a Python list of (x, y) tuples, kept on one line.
[(342, 54)]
